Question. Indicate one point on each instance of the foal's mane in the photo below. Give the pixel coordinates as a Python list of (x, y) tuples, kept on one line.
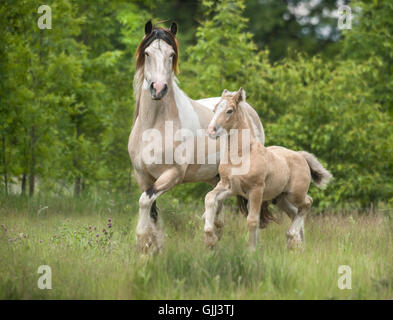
[(157, 33)]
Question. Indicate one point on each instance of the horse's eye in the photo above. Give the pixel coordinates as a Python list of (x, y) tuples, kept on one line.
[(146, 54), (229, 111), (172, 56)]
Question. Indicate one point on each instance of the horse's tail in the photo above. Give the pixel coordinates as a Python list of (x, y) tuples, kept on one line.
[(319, 174)]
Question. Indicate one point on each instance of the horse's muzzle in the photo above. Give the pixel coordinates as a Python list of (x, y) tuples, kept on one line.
[(158, 92)]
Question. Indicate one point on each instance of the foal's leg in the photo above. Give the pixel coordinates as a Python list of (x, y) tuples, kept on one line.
[(219, 218), (149, 232), (255, 201), (295, 233), (213, 204)]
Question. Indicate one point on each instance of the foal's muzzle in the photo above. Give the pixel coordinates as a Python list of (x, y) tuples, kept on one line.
[(158, 90)]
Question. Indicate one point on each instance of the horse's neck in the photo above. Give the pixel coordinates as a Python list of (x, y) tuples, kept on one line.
[(153, 113), (176, 106), (237, 138)]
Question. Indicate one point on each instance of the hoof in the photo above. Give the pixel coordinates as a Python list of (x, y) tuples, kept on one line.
[(219, 232), (210, 239), (149, 243), (294, 242)]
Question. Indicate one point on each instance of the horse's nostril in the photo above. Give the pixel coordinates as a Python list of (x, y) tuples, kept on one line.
[(152, 86), (212, 130)]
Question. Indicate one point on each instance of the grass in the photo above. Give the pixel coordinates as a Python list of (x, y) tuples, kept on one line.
[(56, 232)]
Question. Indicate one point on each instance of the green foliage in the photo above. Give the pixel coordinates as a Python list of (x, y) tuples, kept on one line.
[(224, 53), (371, 38), (66, 99), (331, 112)]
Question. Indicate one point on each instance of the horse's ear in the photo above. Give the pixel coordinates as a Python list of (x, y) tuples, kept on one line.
[(240, 96), (174, 28), (148, 27), (224, 93)]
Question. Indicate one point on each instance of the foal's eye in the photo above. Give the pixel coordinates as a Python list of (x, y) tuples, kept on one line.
[(146, 54), (229, 111), (172, 56)]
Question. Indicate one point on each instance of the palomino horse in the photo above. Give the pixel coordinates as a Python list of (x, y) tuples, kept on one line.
[(274, 173), (166, 115)]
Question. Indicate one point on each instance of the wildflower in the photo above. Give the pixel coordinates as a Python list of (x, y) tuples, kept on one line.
[(95, 228), (109, 225), (97, 235), (109, 220), (89, 227), (40, 241)]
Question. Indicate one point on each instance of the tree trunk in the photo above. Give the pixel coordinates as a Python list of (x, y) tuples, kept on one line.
[(5, 174), (32, 162), (23, 186), (77, 186), (76, 161)]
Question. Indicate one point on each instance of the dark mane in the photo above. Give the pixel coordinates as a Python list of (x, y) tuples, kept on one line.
[(157, 33)]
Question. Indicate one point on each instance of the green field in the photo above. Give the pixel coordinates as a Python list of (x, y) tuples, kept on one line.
[(56, 232)]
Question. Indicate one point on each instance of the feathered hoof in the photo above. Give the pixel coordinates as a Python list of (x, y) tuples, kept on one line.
[(149, 243), (211, 239), (294, 242)]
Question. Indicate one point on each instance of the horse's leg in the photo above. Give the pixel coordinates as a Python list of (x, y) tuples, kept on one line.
[(295, 233), (213, 203), (148, 219), (219, 218), (149, 229), (255, 201)]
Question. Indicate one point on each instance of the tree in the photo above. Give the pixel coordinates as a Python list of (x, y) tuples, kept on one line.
[(224, 53)]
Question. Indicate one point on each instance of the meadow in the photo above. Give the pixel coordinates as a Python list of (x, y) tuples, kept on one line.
[(90, 246)]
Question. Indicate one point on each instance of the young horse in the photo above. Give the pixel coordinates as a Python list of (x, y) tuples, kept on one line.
[(164, 112), (274, 173)]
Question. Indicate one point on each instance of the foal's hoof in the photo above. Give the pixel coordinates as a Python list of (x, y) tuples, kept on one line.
[(294, 242), (210, 239)]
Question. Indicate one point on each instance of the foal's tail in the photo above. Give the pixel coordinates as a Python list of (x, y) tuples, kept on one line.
[(242, 204), (319, 174)]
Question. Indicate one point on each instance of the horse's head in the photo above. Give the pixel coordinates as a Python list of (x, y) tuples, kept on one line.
[(157, 56), (226, 113)]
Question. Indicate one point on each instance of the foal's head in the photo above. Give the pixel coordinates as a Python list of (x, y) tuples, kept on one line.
[(226, 113), (157, 57)]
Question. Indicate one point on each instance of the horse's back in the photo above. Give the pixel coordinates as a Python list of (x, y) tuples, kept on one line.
[(299, 175)]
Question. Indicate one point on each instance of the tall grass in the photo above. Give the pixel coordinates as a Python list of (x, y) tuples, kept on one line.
[(55, 232)]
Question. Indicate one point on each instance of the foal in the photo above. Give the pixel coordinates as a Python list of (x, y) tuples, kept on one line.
[(275, 173)]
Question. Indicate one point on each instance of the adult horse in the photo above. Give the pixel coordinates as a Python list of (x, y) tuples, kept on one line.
[(164, 110)]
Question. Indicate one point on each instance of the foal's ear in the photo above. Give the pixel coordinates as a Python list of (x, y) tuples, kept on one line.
[(148, 27), (174, 28), (224, 93), (240, 96)]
